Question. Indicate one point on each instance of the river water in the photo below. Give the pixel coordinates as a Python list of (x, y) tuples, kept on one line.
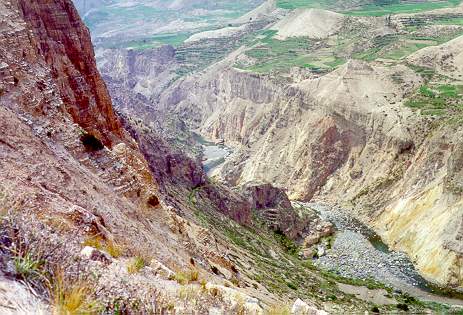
[(214, 154)]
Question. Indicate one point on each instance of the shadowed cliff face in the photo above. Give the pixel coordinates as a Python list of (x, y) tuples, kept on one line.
[(64, 42)]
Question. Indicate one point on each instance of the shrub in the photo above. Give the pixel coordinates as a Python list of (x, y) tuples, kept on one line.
[(70, 297), (28, 266), (136, 265), (185, 277), (403, 307)]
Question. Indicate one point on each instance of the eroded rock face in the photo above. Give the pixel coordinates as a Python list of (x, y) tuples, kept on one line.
[(274, 207), (264, 196), (64, 42)]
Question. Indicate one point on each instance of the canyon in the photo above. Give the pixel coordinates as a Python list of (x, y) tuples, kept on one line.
[(203, 166), (348, 135)]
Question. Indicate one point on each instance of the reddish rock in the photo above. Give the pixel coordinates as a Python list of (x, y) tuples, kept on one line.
[(64, 42)]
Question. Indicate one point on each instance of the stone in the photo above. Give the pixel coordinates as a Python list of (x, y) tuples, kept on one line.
[(302, 308), (94, 254)]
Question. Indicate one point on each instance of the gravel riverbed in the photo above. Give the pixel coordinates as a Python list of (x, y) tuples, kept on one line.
[(357, 252)]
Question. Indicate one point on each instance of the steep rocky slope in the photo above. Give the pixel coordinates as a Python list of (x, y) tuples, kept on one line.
[(61, 187)]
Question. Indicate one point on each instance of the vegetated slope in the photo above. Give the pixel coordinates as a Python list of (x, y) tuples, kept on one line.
[(94, 221), (355, 119)]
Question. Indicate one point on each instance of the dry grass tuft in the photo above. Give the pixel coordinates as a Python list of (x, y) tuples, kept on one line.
[(136, 265), (278, 310), (98, 242), (69, 297), (185, 277)]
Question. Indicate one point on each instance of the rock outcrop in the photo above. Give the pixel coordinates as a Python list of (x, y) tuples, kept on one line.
[(63, 43)]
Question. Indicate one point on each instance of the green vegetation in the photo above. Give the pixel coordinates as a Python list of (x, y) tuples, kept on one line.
[(137, 264), (374, 8), (28, 266), (437, 100), (274, 55), (288, 245), (386, 7), (158, 40), (396, 47)]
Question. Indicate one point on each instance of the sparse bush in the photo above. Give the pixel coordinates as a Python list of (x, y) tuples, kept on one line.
[(136, 265), (69, 297), (279, 310), (235, 281), (185, 277), (111, 247)]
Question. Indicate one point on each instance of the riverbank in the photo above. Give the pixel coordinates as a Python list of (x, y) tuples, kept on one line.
[(357, 252)]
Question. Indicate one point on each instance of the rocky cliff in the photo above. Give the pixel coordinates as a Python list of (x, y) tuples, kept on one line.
[(63, 43)]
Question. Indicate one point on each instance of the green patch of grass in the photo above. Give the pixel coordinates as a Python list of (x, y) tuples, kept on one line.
[(28, 266), (369, 283), (373, 8), (425, 72), (274, 55), (450, 91), (426, 91), (287, 243), (437, 100), (386, 7)]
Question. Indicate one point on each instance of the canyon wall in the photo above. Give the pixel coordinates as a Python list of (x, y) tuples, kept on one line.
[(344, 137)]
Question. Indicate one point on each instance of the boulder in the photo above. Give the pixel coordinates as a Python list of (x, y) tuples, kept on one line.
[(94, 254), (302, 308)]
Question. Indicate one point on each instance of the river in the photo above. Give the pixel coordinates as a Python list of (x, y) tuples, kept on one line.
[(358, 252), (214, 154)]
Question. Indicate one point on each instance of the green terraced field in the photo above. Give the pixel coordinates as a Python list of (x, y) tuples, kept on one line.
[(402, 7), (373, 8), (271, 54), (398, 47), (437, 100)]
